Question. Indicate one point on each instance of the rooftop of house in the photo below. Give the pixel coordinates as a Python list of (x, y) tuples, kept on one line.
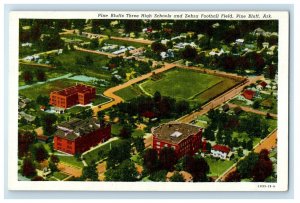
[(175, 132), (79, 88), (76, 127), (221, 148)]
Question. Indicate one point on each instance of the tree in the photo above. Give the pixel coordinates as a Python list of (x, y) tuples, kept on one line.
[(126, 171), (158, 47), (249, 145), (90, 172), (28, 168), (158, 176), (25, 140), (79, 24), (42, 100), (40, 153), (37, 178), (189, 53), (157, 97), (182, 107), (177, 177), (100, 116), (246, 166), (255, 104), (54, 158), (167, 158), (209, 133), (125, 131), (53, 166), (240, 152), (139, 144), (47, 122), (150, 158), (198, 167), (40, 75), (94, 43), (28, 77), (118, 153), (208, 147), (263, 168), (233, 176)]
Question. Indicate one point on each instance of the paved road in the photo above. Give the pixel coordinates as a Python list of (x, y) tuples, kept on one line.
[(268, 143), (249, 109)]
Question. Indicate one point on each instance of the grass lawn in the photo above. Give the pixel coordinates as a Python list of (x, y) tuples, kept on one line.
[(201, 124), (46, 88), (71, 160), (272, 124), (218, 166), (74, 38), (100, 152), (100, 99), (77, 109), (60, 175), (68, 60), (124, 43), (137, 133), (115, 129), (188, 85), (130, 92)]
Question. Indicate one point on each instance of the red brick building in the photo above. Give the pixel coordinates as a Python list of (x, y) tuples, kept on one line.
[(78, 94), (184, 138), (77, 136)]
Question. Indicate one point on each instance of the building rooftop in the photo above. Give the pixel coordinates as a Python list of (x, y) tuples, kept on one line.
[(175, 131), (76, 127), (221, 148), (79, 88)]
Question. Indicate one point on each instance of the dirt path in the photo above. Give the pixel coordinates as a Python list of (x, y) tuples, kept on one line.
[(70, 170), (249, 109), (268, 143), (95, 52), (36, 64)]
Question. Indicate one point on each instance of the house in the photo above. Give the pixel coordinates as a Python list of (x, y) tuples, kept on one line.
[(183, 138), (77, 136), (239, 41), (249, 94), (78, 94), (168, 54), (220, 151)]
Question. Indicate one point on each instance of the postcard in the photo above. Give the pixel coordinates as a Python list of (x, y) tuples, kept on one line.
[(148, 100)]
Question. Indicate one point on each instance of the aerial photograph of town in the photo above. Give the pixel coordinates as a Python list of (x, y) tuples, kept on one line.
[(147, 100)]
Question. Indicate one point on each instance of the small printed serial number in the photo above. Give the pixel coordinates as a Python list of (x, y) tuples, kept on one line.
[(266, 186)]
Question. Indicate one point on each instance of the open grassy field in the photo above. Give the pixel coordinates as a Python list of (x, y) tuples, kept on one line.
[(218, 166), (46, 88), (100, 152), (100, 99), (130, 92), (69, 63), (123, 43), (70, 160), (60, 175), (188, 85)]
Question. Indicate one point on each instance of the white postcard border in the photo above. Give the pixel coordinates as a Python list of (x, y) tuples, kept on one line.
[(283, 94)]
